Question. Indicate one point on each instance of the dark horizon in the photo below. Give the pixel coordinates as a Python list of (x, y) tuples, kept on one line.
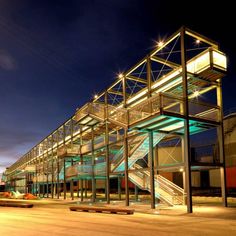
[(55, 56)]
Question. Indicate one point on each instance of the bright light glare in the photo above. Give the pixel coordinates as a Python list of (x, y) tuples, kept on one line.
[(181, 169), (196, 93), (198, 41), (95, 96), (120, 76), (160, 44)]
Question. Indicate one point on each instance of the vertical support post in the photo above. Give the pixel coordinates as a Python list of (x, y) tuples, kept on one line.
[(47, 184), (72, 162), (126, 150), (52, 168), (136, 192), (150, 134), (31, 183), (186, 123), (43, 175), (64, 178), (40, 175), (58, 167), (78, 188), (126, 158), (47, 161), (72, 189), (81, 161), (156, 160), (107, 165), (26, 181), (72, 184), (107, 151), (58, 178), (36, 178), (52, 177), (119, 188), (183, 173), (151, 169), (93, 165), (14, 180), (220, 135), (81, 190), (86, 186), (64, 163)]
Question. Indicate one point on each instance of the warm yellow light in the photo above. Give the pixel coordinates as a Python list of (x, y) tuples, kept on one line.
[(120, 76), (95, 96), (219, 59), (160, 44), (196, 93), (198, 41), (181, 169), (175, 126)]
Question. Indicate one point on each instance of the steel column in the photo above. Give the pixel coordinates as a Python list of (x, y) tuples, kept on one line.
[(81, 160), (36, 178), (58, 180), (64, 163), (151, 169), (186, 123), (64, 178), (107, 151), (93, 164), (126, 158), (85, 188), (58, 168), (220, 136), (52, 178), (136, 192), (47, 161), (43, 174), (126, 147), (72, 183), (119, 188)]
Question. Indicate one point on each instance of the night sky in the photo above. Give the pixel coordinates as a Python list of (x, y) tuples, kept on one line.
[(56, 54)]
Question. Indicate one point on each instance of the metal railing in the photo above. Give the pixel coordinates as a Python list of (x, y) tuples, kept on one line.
[(161, 102), (165, 189), (117, 115), (97, 109), (203, 110), (69, 149)]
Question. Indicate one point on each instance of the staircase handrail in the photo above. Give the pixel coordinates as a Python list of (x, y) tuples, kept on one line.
[(174, 186)]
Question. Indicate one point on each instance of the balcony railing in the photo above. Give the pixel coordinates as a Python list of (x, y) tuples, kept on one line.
[(208, 59), (68, 150)]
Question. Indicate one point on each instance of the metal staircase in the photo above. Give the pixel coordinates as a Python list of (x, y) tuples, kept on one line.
[(118, 159), (166, 191), (140, 152)]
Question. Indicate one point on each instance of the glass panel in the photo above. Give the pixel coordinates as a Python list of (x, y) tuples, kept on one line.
[(199, 64), (219, 60), (203, 110)]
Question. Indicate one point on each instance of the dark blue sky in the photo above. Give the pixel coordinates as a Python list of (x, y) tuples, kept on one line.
[(55, 55)]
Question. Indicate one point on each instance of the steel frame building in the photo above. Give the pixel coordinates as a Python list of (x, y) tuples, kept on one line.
[(158, 100)]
